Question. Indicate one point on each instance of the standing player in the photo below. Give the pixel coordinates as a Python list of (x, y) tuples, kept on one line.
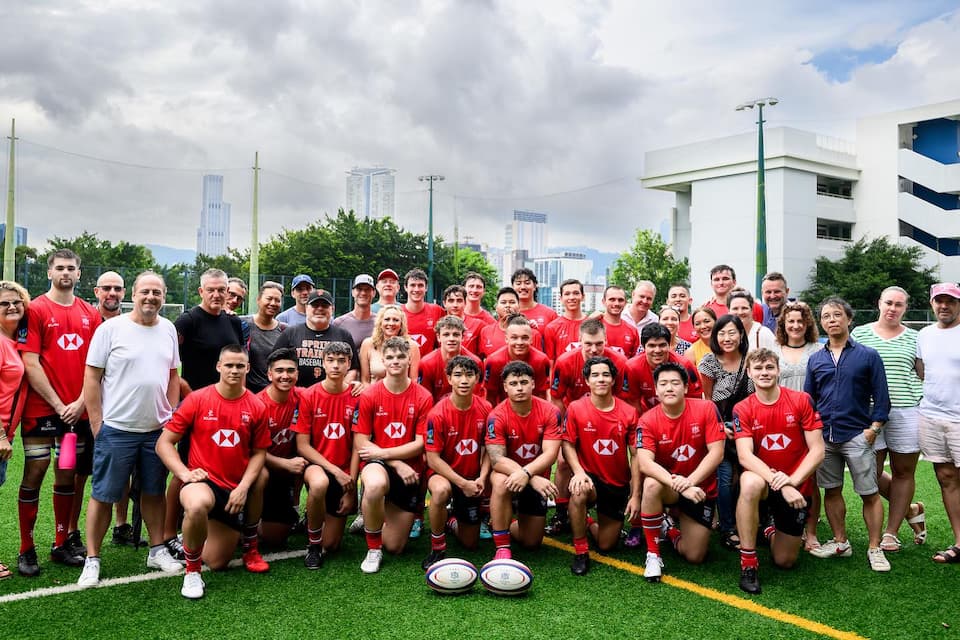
[(561, 335), (680, 447), (421, 315), (454, 298), (476, 287), (598, 432), (519, 337), (493, 336), (457, 459), (678, 297), (59, 329), (388, 429), (523, 440), (621, 335), (432, 373), (639, 383), (221, 496), (524, 282), (323, 439), (780, 445)]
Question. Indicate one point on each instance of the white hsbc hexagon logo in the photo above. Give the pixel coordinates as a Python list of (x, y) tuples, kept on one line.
[(70, 342), (282, 437), (467, 446), (528, 451), (334, 431), (226, 438), (396, 430), (775, 442), (605, 447), (682, 453), (420, 338)]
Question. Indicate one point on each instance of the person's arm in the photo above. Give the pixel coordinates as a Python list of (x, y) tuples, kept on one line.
[(436, 462), (173, 389), (414, 359), (365, 348), (294, 465), (708, 466), (812, 459), (579, 482), (92, 377), (167, 452), (918, 367), (750, 461), (647, 465), (39, 382), (633, 509), (706, 382), (880, 392), (238, 497)]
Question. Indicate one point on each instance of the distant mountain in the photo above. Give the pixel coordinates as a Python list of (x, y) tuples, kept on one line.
[(169, 256), (601, 260)]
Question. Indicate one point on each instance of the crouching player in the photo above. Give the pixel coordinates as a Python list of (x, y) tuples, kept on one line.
[(523, 440), (599, 429), (780, 445), (324, 440), (456, 458), (221, 498), (388, 429), (680, 447)]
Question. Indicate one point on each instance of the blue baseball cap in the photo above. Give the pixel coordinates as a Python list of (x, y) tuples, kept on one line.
[(300, 279)]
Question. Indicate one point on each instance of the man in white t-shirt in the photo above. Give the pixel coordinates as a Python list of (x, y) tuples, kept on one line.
[(938, 351), (130, 387)]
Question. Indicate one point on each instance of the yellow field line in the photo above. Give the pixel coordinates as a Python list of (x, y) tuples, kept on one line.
[(719, 596)]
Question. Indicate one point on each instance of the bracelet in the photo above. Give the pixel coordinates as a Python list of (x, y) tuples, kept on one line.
[(524, 469), (875, 429)]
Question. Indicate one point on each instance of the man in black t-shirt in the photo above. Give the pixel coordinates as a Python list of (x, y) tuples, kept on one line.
[(309, 340)]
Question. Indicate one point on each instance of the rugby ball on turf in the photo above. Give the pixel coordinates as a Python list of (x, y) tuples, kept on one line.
[(452, 576), (506, 577)]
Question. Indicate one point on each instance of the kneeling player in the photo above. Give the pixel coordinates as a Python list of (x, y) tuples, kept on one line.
[(780, 445), (220, 496), (388, 432), (680, 447), (457, 460), (523, 440), (599, 430), (323, 438)]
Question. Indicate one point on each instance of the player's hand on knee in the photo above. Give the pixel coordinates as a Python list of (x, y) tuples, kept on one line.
[(633, 509), (793, 497), (193, 475), (348, 502), (237, 500), (694, 494), (345, 480), (517, 480), (471, 488), (580, 483), (680, 483), (544, 487), (296, 465), (779, 481), (406, 473)]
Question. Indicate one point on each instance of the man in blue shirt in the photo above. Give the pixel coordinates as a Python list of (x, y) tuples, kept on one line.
[(774, 291), (843, 379)]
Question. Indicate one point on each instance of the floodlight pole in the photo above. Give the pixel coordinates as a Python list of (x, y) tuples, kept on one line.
[(9, 239), (254, 279), (430, 179), (761, 248)]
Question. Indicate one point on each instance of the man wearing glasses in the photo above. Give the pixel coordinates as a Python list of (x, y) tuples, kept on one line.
[(310, 338), (109, 292)]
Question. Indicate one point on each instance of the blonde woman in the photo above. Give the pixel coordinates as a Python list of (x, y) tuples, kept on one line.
[(391, 322), (670, 318)]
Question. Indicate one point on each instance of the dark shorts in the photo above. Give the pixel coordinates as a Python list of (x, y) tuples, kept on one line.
[(785, 518), (278, 499), (400, 495), (183, 448), (116, 453), (611, 499), (466, 510), (529, 503), (219, 511), (334, 495), (53, 427), (699, 512)]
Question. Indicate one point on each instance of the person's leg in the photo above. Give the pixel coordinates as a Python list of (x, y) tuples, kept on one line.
[(440, 493), (752, 489), (396, 526), (317, 486), (197, 499), (693, 544), (220, 544), (98, 521), (252, 515), (608, 532), (948, 476), (36, 462), (501, 510), (902, 487), (528, 530)]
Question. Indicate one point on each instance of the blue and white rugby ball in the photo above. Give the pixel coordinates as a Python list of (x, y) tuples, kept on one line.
[(452, 576), (506, 577)]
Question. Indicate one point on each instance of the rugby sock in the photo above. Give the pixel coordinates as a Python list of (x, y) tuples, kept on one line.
[(452, 525), (562, 508), (501, 539), (590, 521), (438, 542), (250, 539), (748, 558), (636, 522), (768, 532), (28, 503), (374, 539), (651, 530), (62, 506), (314, 536), (674, 534), (580, 545), (192, 557)]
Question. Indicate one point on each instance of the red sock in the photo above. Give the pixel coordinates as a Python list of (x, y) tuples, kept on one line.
[(250, 537), (374, 539), (768, 531), (590, 521), (580, 545), (651, 530), (748, 558), (315, 536), (28, 504), (636, 522), (63, 495), (192, 557), (501, 539), (438, 541), (674, 534)]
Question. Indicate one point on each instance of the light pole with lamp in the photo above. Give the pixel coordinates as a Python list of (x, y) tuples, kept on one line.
[(761, 248), (431, 179)]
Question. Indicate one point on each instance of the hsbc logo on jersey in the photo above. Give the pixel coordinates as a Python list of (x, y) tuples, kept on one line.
[(467, 446), (226, 438), (775, 442), (334, 431), (605, 447), (283, 436), (420, 338), (682, 453), (396, 430), (70, 342), (528, 451)]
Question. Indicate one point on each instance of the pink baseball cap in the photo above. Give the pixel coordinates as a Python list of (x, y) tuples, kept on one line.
[(944, 289)]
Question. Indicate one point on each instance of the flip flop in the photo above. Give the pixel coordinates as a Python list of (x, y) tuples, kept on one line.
[(5, 572), (890, 543), (950, 555), (920, 520)]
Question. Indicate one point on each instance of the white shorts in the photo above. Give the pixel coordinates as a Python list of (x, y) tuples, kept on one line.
[(940, 440), (901, 434)]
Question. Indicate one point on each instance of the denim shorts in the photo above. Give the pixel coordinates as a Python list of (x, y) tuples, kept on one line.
[(116, 454)]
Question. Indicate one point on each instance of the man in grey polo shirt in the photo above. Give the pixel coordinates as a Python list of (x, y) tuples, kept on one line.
[(359, 321), (300, 290)]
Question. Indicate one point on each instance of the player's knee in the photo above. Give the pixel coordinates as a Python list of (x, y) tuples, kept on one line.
[(439, 490), (751, 485), (695, 556), (786, 562), (651, 486)]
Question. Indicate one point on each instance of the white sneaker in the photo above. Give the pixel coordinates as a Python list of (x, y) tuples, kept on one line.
[(371, 564), (654, 568), (192, 585), (356, 527), (833, 549), (90, 576), (878, 561), (161, 559)]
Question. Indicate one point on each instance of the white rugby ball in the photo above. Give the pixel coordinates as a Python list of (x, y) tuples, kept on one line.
[(452, 576), (506, 577)]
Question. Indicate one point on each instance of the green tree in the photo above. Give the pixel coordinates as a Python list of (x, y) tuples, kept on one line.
[(650, 258), (866, 268), (96, 256), (450, 269)]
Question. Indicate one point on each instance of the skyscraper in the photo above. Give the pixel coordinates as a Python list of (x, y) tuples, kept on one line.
[(528, 231), (370, 192), (213, 234)]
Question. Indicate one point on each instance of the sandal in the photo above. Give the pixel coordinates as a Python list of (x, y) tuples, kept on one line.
[(730, 540), (890, 543), (950, 555), (919, 524), (5, 572)]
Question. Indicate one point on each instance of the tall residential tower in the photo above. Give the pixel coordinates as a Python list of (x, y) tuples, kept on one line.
[(370, 192), (213, 234)]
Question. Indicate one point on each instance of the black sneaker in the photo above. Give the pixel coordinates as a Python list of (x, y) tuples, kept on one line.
[(580, 564), (749, 580), (434, 556), (65, 555), (123, 535), (75, 544), (314, 557), (27, 564), (557, 526), (175, 547)]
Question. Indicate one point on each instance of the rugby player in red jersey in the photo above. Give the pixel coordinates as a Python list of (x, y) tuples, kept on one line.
[(454, 298), (519, 336), (431, 373), (457, 460), (779, 440), (638, 380), (493, 336), (388, 429), (599, 430), (679, 449), (621, 336), (523, 440), (283, 468), (324, 440), (524, 282), (476, 287), (421, 315), (221, 497), (561, 335)]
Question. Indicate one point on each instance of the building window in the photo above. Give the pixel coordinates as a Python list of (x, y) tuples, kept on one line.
[(834, 187), (834, 230)]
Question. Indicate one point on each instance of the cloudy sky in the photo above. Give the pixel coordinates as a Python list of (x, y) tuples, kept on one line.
[(122, 106)]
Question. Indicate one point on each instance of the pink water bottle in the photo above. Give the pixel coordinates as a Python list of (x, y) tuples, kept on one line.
[(68, 451)]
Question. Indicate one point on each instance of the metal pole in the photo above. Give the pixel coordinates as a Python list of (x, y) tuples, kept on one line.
[(430, 246), (9, 239), (761, 207), (254, 283)]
